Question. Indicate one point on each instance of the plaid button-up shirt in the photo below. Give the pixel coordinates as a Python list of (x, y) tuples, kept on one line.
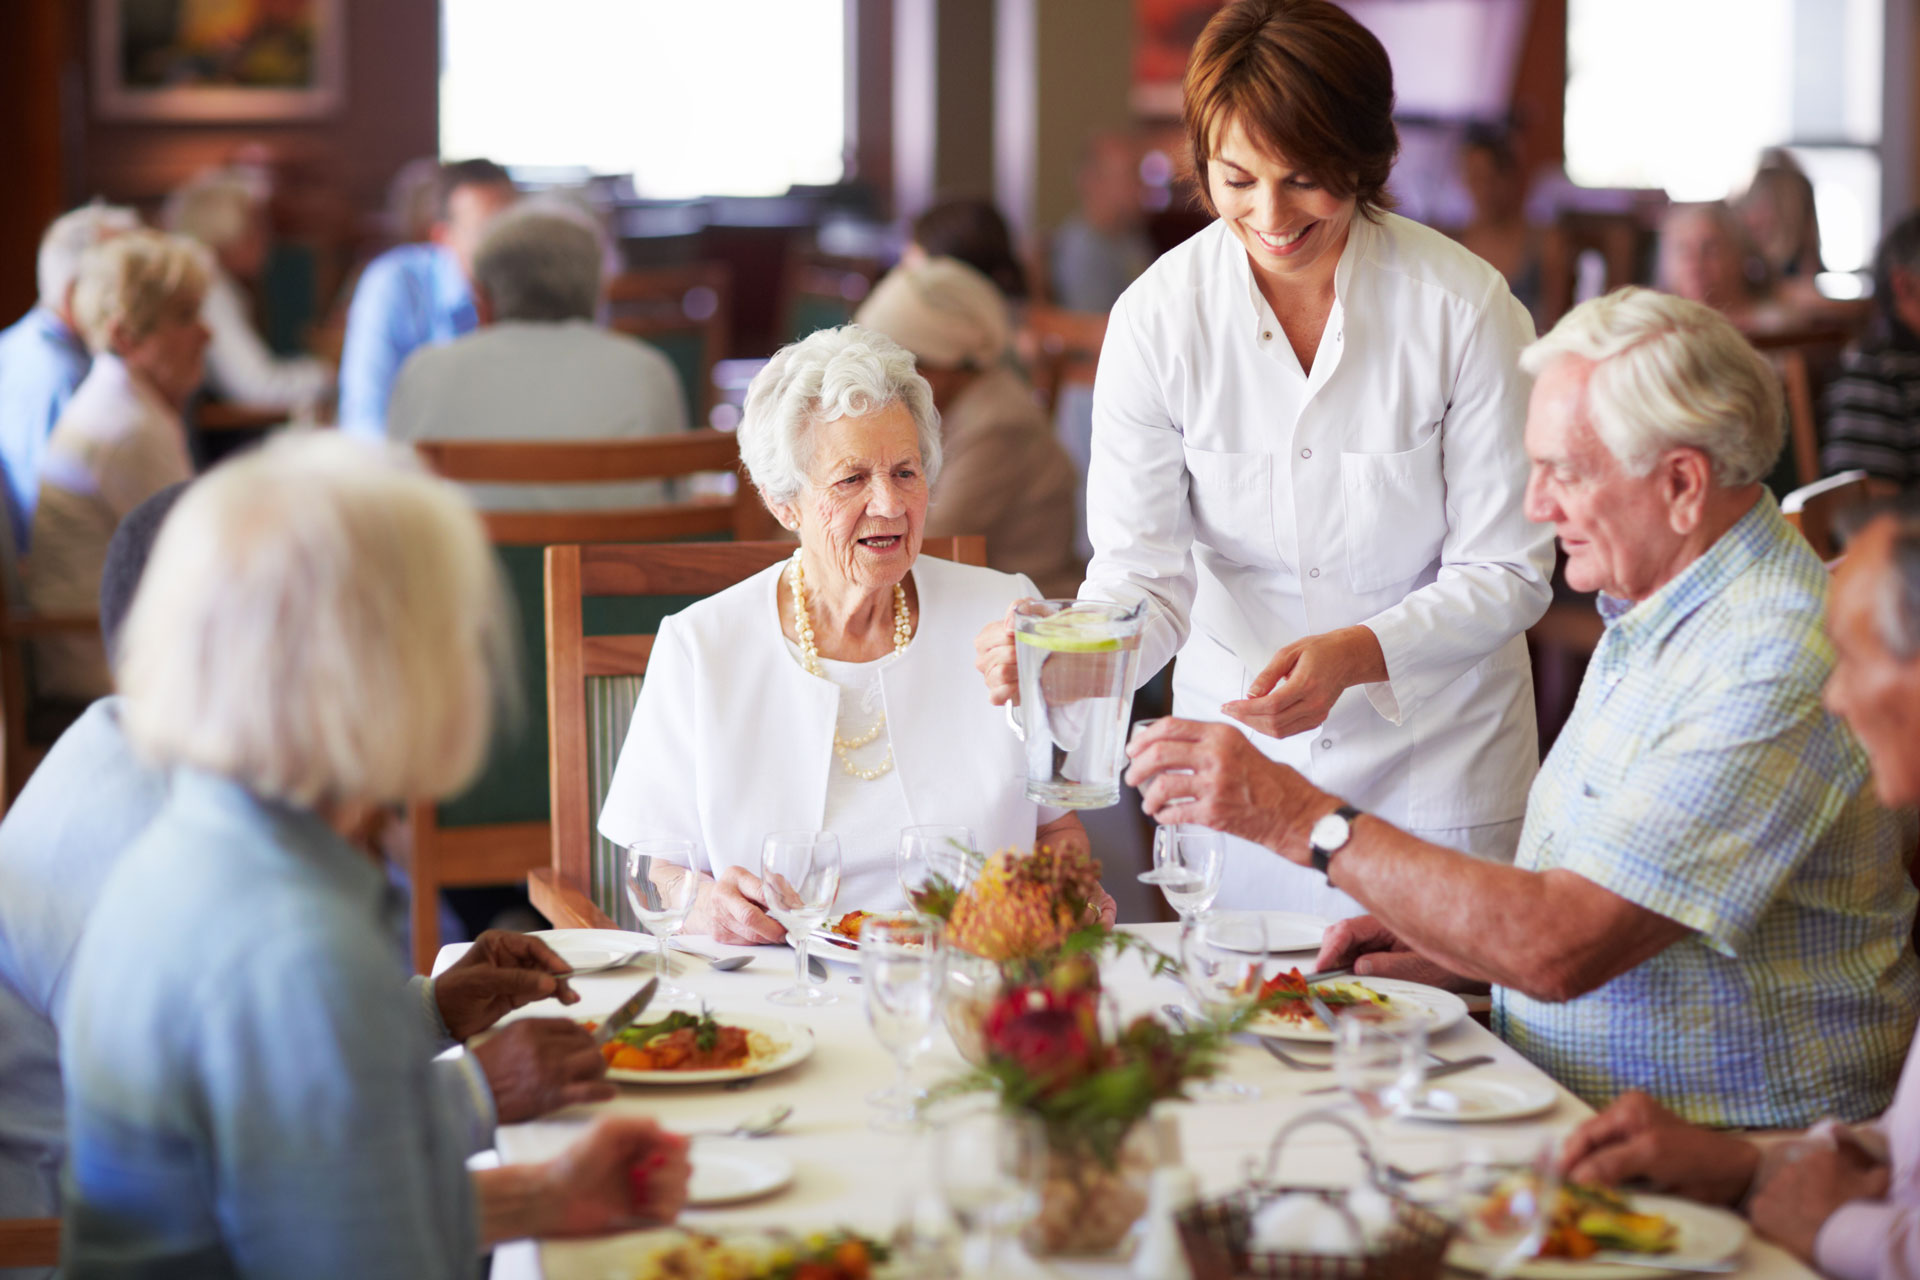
[(1699, 777)]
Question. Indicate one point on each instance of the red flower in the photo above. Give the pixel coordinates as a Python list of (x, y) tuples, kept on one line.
[(1052, 1036)]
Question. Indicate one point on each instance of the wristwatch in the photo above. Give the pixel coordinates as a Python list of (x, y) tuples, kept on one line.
[(1330, 835)]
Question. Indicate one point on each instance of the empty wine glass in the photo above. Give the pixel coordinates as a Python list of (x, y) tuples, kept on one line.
[(800, 872), (903, 971), (1223, 960), (661, 888), (1381, 1063), (1187, 863), (934, 853), (991, 1165), (1504, 1193)]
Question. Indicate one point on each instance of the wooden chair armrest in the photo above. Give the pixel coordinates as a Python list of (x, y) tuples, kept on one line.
[(30, 1242), (565, 905)]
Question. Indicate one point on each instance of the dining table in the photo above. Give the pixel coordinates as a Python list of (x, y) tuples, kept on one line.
[(849, 1174)]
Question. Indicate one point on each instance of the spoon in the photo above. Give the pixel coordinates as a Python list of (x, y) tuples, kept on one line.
[(723, 964), (758, 1125)]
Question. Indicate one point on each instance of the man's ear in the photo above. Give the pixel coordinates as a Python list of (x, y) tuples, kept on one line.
[(1686, 478)]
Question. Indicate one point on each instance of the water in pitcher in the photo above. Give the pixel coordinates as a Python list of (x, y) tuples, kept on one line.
[(1077, 661)]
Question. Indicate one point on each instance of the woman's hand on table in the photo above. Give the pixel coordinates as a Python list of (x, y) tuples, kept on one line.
[(1372, 950), (537, 1065), (1637, 1138), (733, 910), (1796, 1200), (994, 658), (500, 972), (1212, 776), (1296, 690)]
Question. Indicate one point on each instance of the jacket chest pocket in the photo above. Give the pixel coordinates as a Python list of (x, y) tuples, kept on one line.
[(1396, 513), (1231, 495)]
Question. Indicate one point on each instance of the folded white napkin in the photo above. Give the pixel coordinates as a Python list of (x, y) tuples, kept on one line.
[(1302, 1223)]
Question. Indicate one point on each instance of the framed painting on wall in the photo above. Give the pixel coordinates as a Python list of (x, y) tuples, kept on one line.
[(217, 59)]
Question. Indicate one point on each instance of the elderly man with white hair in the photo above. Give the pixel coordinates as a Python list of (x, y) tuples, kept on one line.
[(539, 368), (43, 358), (1708, 903), (221, 211), (1002, 469)]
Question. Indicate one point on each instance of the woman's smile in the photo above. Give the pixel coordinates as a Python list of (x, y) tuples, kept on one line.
[(1283, 244)]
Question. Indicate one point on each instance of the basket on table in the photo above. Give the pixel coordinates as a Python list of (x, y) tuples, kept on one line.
[(1216, 1233)]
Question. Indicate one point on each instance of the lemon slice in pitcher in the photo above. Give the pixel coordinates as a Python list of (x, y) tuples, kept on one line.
[(1069, 632)]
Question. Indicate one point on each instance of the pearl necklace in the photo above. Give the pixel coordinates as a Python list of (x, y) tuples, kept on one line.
[(810, 660)]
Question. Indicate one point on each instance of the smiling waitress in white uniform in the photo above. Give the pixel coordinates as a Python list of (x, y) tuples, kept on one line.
[(1307, 460)]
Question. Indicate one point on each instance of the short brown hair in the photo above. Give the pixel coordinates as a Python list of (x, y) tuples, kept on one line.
[(1307, 82)]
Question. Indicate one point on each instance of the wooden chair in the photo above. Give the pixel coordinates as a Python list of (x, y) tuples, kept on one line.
[(685, 311), (1806, 360), (31, 723), (29, 1242), (1624, 240), (1813, 509), (499, 829), (822, 290), (1063, 348), (594, 672)]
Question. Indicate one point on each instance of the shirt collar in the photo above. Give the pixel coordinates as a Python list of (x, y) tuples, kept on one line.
[(283, 829), (1632, 625), (1358, 232), (56, 330), (450, 287)]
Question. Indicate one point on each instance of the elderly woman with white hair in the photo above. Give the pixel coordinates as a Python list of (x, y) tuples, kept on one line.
[(830, 692), (221, 211), (1003, 472), (121, 438), (321, 631)]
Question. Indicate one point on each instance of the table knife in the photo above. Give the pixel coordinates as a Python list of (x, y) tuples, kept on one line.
[(1327, 975), (1436, 1073), (624, 1016)]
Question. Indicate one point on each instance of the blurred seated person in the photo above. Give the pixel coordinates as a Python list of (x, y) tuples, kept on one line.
[(1843, 1200), (1873, 406), (320, 634), (1703, 258), (1499, 233), (1706, 888), (61, 838), (1002, 472), (1102, 247), (121, 439), (974, 232), (43, 358), (1782, 224), (220, 211), (827, 688), (417, 295), (539, 368)]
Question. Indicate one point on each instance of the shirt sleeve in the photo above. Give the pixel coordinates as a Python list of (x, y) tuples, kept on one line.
[(1706, 826), (241, 366), (1867, 425), (1138, 517), (653, 793), (378, 339), (1496, 566), (1870, 1240)]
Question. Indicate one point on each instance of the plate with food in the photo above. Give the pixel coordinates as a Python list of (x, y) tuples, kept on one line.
[(688, 1048), (839, 938), (675, 1253), (1591, 1226), (1482, 1095), (1292, 1018)]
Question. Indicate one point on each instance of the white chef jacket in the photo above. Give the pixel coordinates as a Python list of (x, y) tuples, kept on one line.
[(1251, 504)]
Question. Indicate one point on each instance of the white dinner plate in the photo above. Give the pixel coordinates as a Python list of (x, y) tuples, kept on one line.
[(1443, 1009), (728, 1172), (588, 948), (1294, 930), (831, 946), (795, 1045), (1706, 1235), (1481, 1095)]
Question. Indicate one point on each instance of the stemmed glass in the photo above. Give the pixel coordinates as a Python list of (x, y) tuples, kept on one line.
[(1382, 1065), (800, 871), (991, 1165), (661, 905), (1187, 864), (903, 970), (933, 852), (1223, 960), (1504, 1194)]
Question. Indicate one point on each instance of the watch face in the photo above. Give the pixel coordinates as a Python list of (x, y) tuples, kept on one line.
[(1330, 833)]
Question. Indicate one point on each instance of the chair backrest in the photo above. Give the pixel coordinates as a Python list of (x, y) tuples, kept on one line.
[(822, 291), (1813, 508), (604, 604), (684, 311), (1064, 347), (29, 1242)]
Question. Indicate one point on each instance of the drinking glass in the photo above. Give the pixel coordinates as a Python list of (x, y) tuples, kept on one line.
[(1382, 1064), (1076, 661), (1504, 1192), (934, 853), (991, 1165), (903, 971), (661, 906), (1223, 960), (1187, 864), (800, 872)]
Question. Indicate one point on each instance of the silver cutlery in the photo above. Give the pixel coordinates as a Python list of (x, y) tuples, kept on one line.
[(1327, 975), (758, 1125), (1298, 1064), (817, 968), (1438, 1072), (724, 964), (621, 963), (623, 1017), (1665, 1262)]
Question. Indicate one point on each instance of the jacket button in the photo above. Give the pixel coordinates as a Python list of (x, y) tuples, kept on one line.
[(1306, 453), (1326, 744), (1266, 335), (1313, 573)]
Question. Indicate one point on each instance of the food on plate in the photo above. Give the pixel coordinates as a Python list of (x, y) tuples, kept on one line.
[(827, 1255), (848, 925), (1285, 997), (682, 1041), (1586, 1220)]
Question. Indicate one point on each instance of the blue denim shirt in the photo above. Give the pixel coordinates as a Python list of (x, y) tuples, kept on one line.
[(41, 363), (249, 1083), (407, 298)]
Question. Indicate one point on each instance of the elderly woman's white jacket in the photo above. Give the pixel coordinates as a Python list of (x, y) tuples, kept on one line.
[(732, 739)]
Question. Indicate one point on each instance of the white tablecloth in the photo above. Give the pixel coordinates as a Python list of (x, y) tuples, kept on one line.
[(849, 1175)]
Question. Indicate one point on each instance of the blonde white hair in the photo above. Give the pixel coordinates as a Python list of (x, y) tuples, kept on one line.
[(323, 622), (848, 372), (1670, 374), (67, 240), (216, 209), (134, 282)]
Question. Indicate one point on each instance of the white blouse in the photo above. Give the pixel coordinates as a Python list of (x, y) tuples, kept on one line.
[(1252, 503), (868, 813)]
